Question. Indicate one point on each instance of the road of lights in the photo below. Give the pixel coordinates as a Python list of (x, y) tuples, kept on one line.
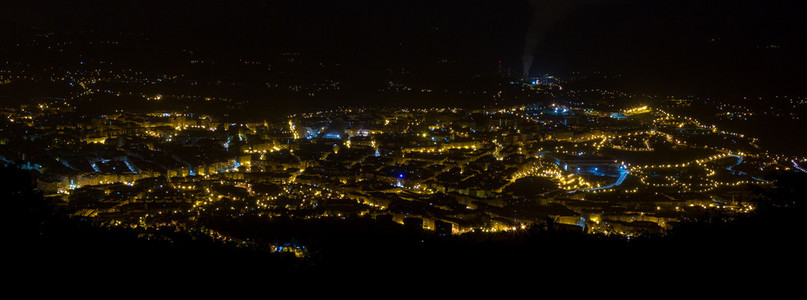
[(565, 180)]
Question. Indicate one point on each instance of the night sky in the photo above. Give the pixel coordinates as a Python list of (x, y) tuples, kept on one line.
[(731, 48)]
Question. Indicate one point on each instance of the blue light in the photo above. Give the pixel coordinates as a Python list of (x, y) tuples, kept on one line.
[(400, 175)]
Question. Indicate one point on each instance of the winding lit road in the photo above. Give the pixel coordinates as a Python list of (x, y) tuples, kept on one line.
[(623, 173), (796, 165)]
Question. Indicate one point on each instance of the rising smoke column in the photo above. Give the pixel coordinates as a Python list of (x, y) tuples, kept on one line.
[(544, 15)]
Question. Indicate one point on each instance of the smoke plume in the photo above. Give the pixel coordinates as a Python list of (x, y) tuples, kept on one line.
[(544, 15)]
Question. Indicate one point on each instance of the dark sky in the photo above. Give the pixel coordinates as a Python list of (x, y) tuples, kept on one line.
[(702, 44)]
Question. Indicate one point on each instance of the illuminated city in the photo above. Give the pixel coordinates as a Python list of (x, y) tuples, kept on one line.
[(286, 153)]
